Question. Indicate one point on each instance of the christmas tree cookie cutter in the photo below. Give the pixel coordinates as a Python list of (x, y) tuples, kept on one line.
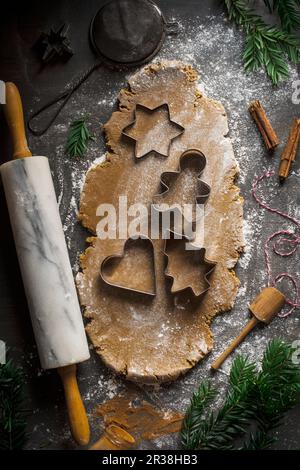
[(119, 271), (156, 129), (191, 159), (187, 266)]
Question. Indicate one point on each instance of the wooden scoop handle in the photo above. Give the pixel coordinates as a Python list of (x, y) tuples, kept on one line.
[(79, 424), (13, 110), (250, 325)]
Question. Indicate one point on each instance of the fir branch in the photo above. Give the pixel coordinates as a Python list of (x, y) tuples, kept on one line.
[(200, 400), (78, 138), (254, 398), (288, 12), (253, 54), (289, 15), (218, 430), (270, 55), (12, 422), (266, 46), (242, 14), (278, 390)]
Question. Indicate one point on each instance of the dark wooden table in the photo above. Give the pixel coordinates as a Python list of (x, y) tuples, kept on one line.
[(213, 46)]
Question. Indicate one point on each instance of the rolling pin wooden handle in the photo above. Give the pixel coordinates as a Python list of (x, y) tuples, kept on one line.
[(13, 110), (250, 325), (79, 424)]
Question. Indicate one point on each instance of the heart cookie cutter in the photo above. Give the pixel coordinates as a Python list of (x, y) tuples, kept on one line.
[(192, 259), (145, 285), (190, 159), (145, 109)]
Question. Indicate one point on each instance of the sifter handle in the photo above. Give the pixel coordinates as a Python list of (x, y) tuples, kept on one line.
[(13, 110)]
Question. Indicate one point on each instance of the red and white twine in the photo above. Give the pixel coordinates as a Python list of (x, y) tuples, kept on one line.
[(283, 243)]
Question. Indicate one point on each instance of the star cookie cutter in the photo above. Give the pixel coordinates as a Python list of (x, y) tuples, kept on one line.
[(125, 132), (112, 274), (182, 267), (190, 159)]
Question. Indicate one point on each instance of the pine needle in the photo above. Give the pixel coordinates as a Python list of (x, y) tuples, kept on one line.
[(12, 421), (78, 138), (254, 398)]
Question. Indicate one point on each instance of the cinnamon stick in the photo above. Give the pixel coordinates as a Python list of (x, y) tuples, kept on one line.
[(264, 126), (289, 152)]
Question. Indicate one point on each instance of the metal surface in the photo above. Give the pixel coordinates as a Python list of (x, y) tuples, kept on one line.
[(214, 46)]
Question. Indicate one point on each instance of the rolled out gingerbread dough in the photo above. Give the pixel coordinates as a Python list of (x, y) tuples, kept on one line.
[(156, 339)]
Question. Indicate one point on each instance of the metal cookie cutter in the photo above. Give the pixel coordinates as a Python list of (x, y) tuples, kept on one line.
[(192, 159), (156, 131), (118, 272), (188, 269)]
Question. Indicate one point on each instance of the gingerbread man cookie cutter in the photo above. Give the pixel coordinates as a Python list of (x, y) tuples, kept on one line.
[(192, 159)]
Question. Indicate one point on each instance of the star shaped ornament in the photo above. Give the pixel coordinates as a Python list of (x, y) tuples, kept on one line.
[(152, 130)]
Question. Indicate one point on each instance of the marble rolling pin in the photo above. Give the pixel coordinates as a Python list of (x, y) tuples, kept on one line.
[(44, 262)]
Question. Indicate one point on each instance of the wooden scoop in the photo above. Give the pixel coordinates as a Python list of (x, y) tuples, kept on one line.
[(269, 302)]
